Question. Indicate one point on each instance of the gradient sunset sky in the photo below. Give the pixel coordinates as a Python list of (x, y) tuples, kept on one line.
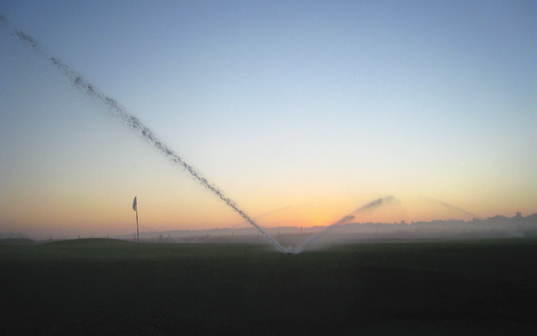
[(312, 107)]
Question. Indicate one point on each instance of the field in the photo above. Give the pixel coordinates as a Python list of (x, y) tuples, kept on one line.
[(113, 287)]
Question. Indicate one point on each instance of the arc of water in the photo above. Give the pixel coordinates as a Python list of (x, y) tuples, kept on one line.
[(316, 236), (376, 203), (136, 125)]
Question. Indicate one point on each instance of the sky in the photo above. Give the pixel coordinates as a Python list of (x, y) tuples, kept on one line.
[(305, 110)]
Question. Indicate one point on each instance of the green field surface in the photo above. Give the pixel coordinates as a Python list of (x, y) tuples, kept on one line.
[(113, 287)]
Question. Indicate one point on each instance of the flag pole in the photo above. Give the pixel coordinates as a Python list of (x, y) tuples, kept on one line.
[(137, 231), (135, 208)]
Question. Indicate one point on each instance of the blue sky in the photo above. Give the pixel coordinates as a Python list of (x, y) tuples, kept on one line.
[(277, 103)]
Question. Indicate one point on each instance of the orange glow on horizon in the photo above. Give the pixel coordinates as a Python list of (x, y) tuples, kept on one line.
[(100, 216)]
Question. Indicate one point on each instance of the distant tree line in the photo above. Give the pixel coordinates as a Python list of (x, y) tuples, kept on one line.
[(7, 235), (11, 238)]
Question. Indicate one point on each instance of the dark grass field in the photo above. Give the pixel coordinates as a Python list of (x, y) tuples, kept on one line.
[(112, 287)]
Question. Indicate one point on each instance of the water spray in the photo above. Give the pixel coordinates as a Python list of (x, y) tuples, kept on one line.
[(273, 212), (461, 210), (372, 205), (133, 123), (316, 236), (455, 208)]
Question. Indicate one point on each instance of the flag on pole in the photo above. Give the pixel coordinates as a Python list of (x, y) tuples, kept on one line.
[(135, 208)]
